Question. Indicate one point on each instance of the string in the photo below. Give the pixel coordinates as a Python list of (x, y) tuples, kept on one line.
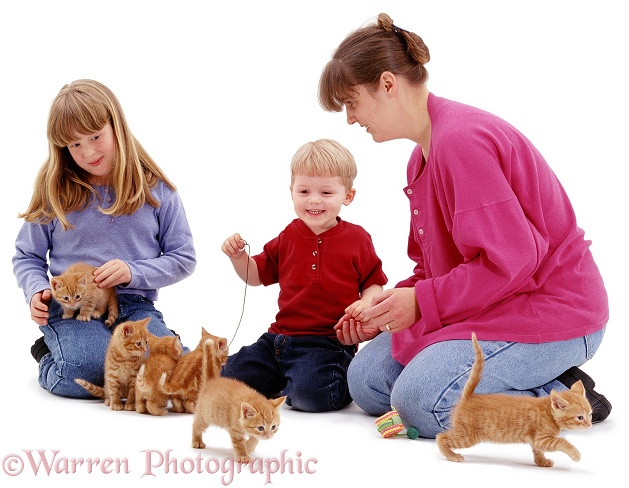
[(244, 298)]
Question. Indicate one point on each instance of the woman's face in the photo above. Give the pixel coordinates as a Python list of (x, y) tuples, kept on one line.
[(372, 109), (95, 153)]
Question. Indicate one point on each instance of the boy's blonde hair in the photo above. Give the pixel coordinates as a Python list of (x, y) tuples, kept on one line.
[(61, 186), (324, 157)]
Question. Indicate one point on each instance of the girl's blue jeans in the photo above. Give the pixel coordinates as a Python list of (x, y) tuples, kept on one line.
[(310, 370), (77, 349), (425, 391)]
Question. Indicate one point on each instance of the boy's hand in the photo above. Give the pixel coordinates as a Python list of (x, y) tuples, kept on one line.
[(234, 246), (349, 331)]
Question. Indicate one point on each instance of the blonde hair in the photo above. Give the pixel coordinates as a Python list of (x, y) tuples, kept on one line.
[(365, 54), (61, 186), (324, 157)]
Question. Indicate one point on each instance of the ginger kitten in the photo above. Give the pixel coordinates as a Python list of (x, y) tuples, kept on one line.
[(125, 354), (503, 418), (164, 352), (232, 405), (75, 289), (184, 383)]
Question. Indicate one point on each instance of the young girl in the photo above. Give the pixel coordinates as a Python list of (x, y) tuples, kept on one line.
[(101, 199), (494, 239)]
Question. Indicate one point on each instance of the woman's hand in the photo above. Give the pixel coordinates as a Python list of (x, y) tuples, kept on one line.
[(112, 273), (40, 306), (393, 310)]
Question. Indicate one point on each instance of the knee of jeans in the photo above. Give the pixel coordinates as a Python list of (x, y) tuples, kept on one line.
[(428, 412), (58, 377), (326, 399)]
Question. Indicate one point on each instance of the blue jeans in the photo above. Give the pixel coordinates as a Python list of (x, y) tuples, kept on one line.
[(311, 371), (77, 349), (425, 391)]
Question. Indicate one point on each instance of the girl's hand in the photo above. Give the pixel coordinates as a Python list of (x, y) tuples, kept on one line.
[(40, 305), (234, 246), (394, 310), (112, 273), (350, 331)]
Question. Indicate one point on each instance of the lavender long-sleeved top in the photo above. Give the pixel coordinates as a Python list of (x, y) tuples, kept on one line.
[(494, 238), (156, 243)]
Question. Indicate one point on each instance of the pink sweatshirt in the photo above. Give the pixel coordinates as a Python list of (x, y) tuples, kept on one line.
[(494, 238)]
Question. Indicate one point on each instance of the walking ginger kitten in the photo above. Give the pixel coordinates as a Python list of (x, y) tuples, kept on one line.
[(75, 289), (164, 352), (125, 354), (503, 418), (232, 405)]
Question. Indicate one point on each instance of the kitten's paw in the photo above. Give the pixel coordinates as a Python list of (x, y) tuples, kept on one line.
[(456, 458), (129, 406), (83, 318), (67, 316), (575, 456), (198, 444), (243, 459), (545, 463), (109, 322), (116, 406)]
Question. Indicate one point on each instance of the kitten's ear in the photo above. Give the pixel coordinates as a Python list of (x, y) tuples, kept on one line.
[(247, 410), (204, 332), (143, 322), (221, 344), (82, 279), (578, 387), (55, 283), (557, 401), (276, 402), (127, 329)]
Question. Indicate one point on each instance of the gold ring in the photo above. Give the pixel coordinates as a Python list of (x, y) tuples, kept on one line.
[(388, 327)]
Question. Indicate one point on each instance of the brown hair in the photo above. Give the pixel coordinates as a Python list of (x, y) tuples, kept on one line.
[(324, 157), (365, 54), (61, 186)]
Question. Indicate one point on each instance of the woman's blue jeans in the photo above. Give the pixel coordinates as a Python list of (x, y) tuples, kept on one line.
[(77, 349), (425, 391)]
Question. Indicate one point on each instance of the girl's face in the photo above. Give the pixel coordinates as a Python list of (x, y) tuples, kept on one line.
[(318, 200), (94, 153)]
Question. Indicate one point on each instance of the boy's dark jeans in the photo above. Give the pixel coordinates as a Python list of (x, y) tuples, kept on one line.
[(310, 370)]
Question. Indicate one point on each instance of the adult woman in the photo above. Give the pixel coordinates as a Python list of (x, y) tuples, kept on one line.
[(494, 239)]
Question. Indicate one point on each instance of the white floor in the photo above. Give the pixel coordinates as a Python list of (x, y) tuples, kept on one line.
[(45, 438)]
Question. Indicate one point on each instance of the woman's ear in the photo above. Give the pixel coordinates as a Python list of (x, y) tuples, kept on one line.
[(388, 83)]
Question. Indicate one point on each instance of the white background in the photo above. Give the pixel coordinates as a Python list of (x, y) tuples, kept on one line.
[(222, 94)]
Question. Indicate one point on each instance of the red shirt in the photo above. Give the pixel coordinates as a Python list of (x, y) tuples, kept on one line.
[(495, 239), (319, 275)]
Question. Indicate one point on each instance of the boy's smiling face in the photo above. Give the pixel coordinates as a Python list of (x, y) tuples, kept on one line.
[(318, 200)]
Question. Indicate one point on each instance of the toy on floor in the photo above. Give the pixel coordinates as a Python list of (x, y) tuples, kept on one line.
[(390, 425)]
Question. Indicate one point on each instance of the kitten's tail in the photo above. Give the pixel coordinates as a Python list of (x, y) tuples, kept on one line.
[(167, 388), (207, 365), (214, 356), (140, 384), (97, 391), (477, 370), (112, 309)]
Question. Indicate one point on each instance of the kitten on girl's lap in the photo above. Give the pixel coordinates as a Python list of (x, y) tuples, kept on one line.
[(76, 290)]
